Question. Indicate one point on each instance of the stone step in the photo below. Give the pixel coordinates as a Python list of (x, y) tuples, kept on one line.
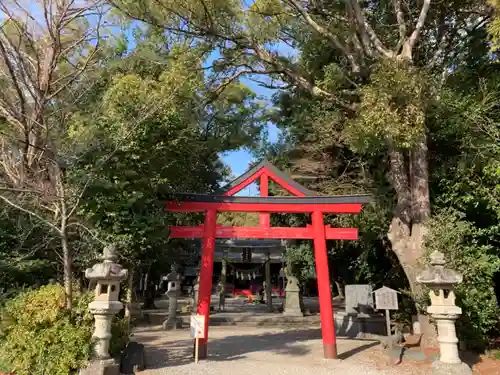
[(157, 318), (346, 325)]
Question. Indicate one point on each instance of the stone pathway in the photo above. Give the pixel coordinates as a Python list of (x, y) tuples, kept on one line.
[(264, 351)]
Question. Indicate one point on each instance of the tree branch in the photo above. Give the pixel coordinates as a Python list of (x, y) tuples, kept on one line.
[(299, 80), (401, 23), (420, 24), (366, 29), (327, 34), (29, 212), (78, 224)]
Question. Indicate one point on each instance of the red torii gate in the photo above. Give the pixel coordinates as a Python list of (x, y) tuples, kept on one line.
[(303, 201)]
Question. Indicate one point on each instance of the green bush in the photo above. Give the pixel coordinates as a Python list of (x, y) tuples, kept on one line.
[(38, 336), (457, 239)]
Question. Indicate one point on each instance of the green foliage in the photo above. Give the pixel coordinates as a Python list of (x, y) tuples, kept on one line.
[(26, 256), (38, 336), (249, 219), (393, 107), (121, 337), (300, 261), (457, 239), (494, 26)]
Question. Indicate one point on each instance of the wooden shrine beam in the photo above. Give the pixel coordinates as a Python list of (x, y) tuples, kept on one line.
[(321, 199), (264, 233), (341, 208)]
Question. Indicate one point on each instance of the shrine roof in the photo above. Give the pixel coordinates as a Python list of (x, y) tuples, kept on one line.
[(300, 194), (272, 171)]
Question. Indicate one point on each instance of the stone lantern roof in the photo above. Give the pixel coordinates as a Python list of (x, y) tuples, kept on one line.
[(108, 269), (437, 275)]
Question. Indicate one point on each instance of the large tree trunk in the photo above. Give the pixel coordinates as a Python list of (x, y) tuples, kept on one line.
[(410, 180)]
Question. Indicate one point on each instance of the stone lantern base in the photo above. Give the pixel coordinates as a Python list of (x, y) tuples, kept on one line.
[(441, 368), (101, 367)]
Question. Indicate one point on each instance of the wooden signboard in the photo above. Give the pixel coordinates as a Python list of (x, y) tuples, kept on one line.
[(386, 299), (197, 331)]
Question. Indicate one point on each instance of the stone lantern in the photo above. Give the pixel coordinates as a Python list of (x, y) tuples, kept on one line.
[(441, 282), (108, 276), (173, 292)]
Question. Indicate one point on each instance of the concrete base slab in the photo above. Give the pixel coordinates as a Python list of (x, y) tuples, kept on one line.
[(440, 368), (101, 367), (294, 313), (170, 324)]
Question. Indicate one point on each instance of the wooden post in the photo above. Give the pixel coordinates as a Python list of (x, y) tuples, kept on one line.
[(388, 323), (324, 291), (206, 270), (269, 288), (264, 218), (196, 349)]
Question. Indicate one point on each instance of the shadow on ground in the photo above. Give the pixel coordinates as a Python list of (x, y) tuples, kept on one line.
[(230, 348), (470, 358)]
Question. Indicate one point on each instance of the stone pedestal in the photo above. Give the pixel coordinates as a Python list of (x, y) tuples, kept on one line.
[(443, 310), (172, 321), (103, 315), (293, 305)]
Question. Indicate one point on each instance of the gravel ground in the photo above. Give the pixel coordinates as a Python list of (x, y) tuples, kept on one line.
[(259, 351)]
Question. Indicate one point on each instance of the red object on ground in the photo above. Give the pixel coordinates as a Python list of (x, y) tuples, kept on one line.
[(303, 201), (244, 292)]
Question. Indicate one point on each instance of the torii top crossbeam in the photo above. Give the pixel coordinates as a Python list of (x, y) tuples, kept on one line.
[(302, 201)]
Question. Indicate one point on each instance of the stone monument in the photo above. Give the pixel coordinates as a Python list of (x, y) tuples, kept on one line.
[(293, 301), (359, 299), (107, 276), (441, 282), (173, 292)]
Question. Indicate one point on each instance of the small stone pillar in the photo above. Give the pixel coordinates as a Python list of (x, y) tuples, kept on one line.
[(441, 282), (268, 291), (173, 292), (222, 285), (107, 276), (196, 288), (293, 303)]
